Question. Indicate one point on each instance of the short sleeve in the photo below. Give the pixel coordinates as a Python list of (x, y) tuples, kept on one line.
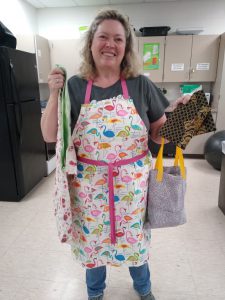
[(156, 101), (76, 90)]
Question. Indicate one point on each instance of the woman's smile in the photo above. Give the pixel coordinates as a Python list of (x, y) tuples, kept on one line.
[(108, 45)]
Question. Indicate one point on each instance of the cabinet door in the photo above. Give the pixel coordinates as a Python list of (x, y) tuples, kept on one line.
[(25, 42), (43, 58), (177, 58), (151, 51), (204, 57), (67, 54)]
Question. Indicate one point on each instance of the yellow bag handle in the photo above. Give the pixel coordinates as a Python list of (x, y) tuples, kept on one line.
[(179, 159), (159, 162)]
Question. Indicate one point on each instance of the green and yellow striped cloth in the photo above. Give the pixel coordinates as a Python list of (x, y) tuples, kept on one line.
[(65, 109)]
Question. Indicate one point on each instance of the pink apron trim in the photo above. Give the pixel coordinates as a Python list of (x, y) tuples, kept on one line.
[(124, 88), (88, 92), (110, 184), (89, 87)]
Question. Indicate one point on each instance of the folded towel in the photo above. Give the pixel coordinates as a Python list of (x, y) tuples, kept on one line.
[(66, 165)]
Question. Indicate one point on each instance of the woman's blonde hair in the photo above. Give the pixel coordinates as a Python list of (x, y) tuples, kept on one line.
[(130, 64)]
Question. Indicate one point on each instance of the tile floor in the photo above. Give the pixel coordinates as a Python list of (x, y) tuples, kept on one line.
[(187, 262)]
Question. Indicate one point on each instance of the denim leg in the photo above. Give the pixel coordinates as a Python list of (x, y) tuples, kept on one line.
[(141, 279), (95, 280)]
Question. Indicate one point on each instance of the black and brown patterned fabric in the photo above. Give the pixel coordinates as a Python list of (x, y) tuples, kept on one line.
[(186, 121)]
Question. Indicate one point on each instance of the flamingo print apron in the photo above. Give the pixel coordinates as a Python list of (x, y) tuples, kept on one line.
[(108, 194)]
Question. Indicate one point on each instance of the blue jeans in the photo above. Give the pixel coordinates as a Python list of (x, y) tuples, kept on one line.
[(95, 280)]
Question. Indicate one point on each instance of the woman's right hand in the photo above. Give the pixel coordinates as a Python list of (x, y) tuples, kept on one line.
[(55, 81), (49, 120)]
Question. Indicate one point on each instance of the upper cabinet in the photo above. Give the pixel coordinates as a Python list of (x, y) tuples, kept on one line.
[(204, 59), (191, 58), (25, 43), (43, 58), (177, 58), (151, 51), (67, 54)]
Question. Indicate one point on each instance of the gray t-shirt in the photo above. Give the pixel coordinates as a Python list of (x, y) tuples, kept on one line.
[(149, 101)]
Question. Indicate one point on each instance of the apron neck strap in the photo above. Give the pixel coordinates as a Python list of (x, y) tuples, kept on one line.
[(89, 87), (88, 92), (124, 88)]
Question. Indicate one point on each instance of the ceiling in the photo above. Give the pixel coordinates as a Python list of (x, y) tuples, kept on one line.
[(76, 3)]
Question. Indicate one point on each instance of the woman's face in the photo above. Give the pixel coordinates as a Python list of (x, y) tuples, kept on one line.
[(108, 45)]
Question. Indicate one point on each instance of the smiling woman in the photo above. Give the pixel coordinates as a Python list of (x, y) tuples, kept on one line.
[(113, 105), (102, 30), (108, 46)]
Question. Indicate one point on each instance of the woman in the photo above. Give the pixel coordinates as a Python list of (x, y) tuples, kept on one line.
[(113, 109)]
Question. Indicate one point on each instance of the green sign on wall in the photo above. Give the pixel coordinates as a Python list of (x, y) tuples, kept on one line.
[(151, 56)]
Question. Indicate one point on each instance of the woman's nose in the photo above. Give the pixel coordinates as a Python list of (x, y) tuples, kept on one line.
[(109, 43)]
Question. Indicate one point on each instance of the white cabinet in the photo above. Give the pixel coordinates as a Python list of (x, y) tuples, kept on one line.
[(191, 58), (219, 88), (43, 58), (25, 43), (67, 54)]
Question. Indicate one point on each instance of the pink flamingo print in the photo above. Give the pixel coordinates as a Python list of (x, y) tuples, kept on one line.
[(118, 218), (119, 111), (91, 248), (143, 183), (82, 195), (87, 147), (111, 156), (95, 212), (125, 178), (88, 250), (130, 238)]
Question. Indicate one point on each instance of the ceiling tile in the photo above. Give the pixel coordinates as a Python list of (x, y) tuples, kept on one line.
[(125, 1), (163, 0), (59, 3), (36, 3), (91, 2)]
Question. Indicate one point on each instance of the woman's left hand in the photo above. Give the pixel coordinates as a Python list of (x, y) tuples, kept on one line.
[(181, 100)]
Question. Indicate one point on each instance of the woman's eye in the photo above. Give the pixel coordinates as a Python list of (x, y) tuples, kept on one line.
[(119, 40)]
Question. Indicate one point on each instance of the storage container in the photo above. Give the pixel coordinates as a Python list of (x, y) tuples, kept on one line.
[(154, 31)]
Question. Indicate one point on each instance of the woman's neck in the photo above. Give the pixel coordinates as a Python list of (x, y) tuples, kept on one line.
[(106, 78)]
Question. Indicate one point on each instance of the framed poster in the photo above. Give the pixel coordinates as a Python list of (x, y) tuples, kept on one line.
[(151, 56)]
